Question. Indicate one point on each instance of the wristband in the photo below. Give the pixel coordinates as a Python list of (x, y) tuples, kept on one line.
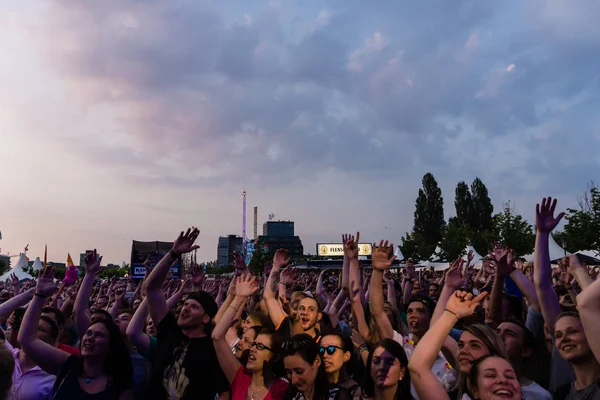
[(40, 295), (363, 347), (452, 312), (174, 254)]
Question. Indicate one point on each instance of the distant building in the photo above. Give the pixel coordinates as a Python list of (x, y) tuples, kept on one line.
[(82, 258), (278, 228), (225, 248), (292, 244)]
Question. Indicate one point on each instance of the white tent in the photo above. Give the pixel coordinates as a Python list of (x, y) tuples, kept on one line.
[(589, 253), (37, 264), (556, 252), (437, 255), (477, 258), (398, 253), (17, 269)]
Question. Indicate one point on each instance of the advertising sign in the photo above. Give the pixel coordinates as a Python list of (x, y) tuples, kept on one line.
[(337, 250)]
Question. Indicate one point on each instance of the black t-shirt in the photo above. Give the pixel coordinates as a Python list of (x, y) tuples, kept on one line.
[(184, 368), (67, 385)]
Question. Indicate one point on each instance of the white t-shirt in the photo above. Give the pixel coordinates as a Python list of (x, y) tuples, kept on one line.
[(441, 367), (535, 392)]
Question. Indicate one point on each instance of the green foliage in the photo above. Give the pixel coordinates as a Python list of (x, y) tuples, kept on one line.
[(429, 213), (513, 230), (481, 213), (414, 247), (463, 203), (455, 239), (3, 267), (259, 259), (110, 272), (582, 230)]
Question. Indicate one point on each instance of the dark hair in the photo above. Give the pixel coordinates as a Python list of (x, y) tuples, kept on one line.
[(273, 367), (7, 366), (104, 313), (529, 339), (426, 301), (19, 313), (315, 300), (117, 363), (53, 326), (262, 318), (395, 349), (563, 314), (59, 317), (347, 346), (126, 311), (304, 345)]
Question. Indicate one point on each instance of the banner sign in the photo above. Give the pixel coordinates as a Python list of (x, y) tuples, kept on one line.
[(156, 251), (337, 250)]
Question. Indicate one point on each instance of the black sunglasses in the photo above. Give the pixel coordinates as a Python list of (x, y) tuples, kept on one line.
[(329, 349), (260, 346)]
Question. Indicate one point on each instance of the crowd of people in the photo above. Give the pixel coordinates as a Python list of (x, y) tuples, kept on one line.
[(507, 330)]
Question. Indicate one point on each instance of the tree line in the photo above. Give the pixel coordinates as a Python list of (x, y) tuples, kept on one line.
[(476, 224)]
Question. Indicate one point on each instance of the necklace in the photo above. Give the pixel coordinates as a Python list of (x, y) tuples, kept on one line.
[(256, 392), (88, 379)]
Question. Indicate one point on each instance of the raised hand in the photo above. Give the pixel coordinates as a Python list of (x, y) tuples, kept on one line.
[(504, 262), (462, 304), (246, 285), (187, 287), (382, 258), (239, 263), (454, 278), (281, 259), (91, 262), (198, 275), (519, 265), (14, 280), (185, 241), (210, 287), (45, 284), (351, 245), (544, 215), (410, 269), (289, 276)]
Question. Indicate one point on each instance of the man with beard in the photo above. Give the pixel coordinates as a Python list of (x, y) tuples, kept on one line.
[(419, 312), (186, 365)]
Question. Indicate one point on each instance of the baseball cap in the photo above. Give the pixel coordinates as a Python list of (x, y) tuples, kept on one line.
[(206, 301)]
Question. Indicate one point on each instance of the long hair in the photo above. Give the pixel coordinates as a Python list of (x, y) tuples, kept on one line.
[(492, 341), (117, 363), (304, 346), (7, 365), (347, 346), (273, 368), (395, 349)]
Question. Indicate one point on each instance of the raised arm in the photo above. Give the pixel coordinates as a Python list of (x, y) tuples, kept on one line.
[(15, 302), (588, 304), (246, 286), (81, 312), (280, 260), (48, 357), (135, 329), (381, 260), (581, 276), (345, 278), (453, 281), (154, 295), (460, 305), (542, 272)]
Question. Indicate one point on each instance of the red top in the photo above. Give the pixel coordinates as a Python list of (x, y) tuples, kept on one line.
[(69, 349), (241, 384)]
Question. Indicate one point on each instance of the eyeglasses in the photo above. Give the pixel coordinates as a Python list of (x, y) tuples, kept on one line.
[(329, 349), (259, 346)]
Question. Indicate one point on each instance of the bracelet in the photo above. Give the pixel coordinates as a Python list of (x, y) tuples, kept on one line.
[(363, 347), (40, 295), (452, 312), (234, 308), (174, 254)]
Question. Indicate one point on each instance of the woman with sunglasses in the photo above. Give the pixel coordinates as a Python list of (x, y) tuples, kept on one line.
[(306, 372), (336, 352), (387, 374), (255, 380)]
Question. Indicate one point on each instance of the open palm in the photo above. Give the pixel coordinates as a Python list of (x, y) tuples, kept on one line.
[(462, 304), (246, 285), (381, 259), (544, 215), (185, 242), (45, 283)]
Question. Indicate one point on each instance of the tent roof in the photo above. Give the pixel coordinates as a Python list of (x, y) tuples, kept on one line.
[(37, 264), (437, 255), (17, 269), (556, 252), (398, 253)]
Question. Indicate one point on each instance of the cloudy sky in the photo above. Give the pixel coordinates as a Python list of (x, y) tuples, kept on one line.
[(123, 119)]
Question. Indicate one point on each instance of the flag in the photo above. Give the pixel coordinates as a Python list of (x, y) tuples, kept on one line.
[(45, 257), (0, 235), (69, 260)]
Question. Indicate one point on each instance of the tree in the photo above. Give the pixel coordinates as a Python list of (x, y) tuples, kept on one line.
[(3, 267), (482, 208), (513, 230), (463, 203), (260, 257), (582, 231), (429, 214), (455, 239), (413, 247)]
